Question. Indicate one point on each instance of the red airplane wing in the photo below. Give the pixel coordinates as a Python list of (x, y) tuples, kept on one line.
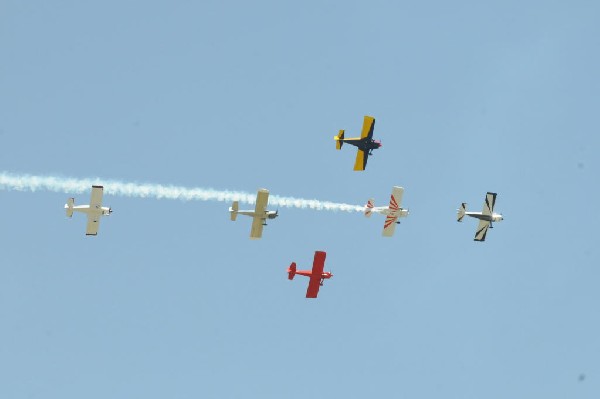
[(315, 278)]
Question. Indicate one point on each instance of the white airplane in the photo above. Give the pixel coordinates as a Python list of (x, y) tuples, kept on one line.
[(260, 214), (94, 210), (391, 212), (486, 217)]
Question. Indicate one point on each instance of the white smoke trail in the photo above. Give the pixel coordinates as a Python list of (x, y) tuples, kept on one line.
[(21, 182)]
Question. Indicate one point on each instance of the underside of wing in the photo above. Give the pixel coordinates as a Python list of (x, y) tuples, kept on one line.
[(262, 199), (396, 198), (96, 200), (368, 126), (317, 271), (389, 226), (93, 222), (313, 287), (488, 205), (257, 227), (361, 160), (318, 263), (482, 230)]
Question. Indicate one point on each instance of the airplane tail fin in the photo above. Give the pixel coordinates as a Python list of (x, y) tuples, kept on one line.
[(369, 207), (233, 210), (461, 212), (291, 271), (69, 206), (339, 140)]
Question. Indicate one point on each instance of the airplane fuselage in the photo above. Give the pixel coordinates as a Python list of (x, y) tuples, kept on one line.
[(364, 144), (106, 211), (496, 217), (264, 215), (384, 210), (308, 273)]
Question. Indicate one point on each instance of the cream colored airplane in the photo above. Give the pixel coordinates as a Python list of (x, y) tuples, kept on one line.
[(94, 210), (391, 212), (260, 214)]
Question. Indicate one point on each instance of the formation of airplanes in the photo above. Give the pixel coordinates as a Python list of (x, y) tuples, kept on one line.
[(393, 211)]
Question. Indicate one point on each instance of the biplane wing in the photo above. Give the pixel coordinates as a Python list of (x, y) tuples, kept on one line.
[(93, 220), (488, 205), (361, 160), (368, 126), (389, 226), (96, 200), (257, 228), (260, 213), (482, 230), (316, 275)]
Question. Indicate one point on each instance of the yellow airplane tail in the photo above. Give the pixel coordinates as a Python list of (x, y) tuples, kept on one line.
[(339, 140)]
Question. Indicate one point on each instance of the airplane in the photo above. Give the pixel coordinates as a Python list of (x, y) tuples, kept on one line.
[(260, 214), (94, 210), (365, 143), (317, 275), (486, 217), (391, 212)]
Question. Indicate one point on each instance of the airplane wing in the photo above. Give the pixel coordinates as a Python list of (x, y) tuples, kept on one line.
[(368, 126), (488, 205), (396, 198), (315, 278), (262, 199), (389, 226), (361, 160), (93, 223), (482, 229), (257, 227), (96, 200)]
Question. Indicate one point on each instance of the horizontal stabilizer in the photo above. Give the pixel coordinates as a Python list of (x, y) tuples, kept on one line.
[(69, 206), (234, 210), (461, 212), (291, 271), (339, 140), (369, 207)]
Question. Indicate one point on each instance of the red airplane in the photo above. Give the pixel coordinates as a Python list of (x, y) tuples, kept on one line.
[(317, 275)]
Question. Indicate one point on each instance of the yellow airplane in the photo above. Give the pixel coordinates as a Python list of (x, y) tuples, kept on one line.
[(364, 143)]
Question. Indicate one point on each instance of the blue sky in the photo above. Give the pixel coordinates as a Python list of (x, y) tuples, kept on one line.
[(173, 300)]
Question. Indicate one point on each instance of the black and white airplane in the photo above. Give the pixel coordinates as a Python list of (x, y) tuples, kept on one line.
[(486, 217)]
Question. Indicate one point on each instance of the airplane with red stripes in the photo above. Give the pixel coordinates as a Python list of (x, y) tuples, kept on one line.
[(392, 212), (317, 275)]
